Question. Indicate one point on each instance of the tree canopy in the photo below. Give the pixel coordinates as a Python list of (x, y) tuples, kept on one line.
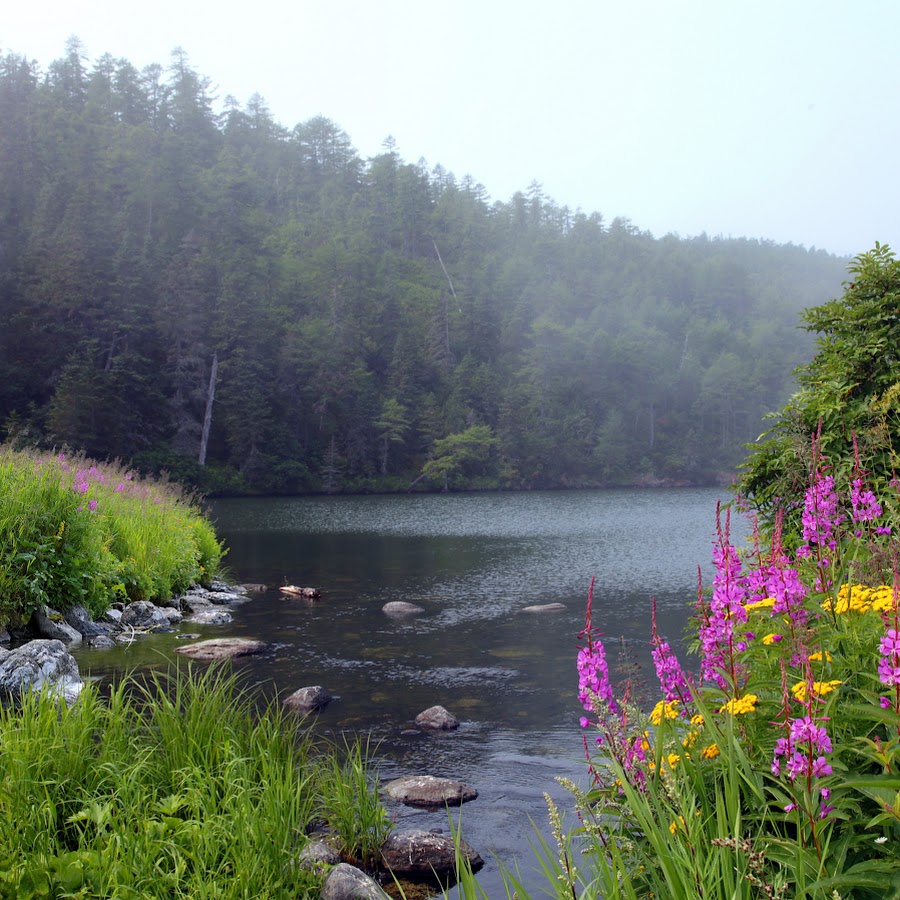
[(360, 312), (847, 408)]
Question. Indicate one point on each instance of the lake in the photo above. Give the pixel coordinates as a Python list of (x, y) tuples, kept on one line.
[(472, 562)]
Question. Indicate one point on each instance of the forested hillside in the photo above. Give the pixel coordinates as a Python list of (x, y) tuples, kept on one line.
[(343, 323)]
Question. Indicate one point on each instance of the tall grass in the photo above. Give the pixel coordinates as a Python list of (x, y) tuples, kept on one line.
[(172, 787), (77, 532)]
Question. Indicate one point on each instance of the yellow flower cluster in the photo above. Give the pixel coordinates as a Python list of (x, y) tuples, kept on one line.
[(819, 689), (710, 752), (768, 603), (861, 598), (770, 639), (817, 656), (741, 705), (664, 710)]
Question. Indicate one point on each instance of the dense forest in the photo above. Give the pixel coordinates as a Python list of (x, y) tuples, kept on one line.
[(257, 308)]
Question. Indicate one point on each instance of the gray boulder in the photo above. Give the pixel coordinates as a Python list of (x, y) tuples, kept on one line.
[(52, 626), (346, 882), (80, 619), (436, 718), (211, 617), (428, 791), (317, 855), (222, 648), (41, 665), (308, 699), (99, 642), (144, 616), (424, 854)]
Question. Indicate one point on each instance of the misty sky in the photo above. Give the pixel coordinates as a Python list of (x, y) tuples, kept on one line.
[(775, 119)]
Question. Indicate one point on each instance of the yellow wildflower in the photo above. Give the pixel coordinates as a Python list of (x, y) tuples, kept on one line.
[(664, 710), (819, 689), (697, 720), (690, 740), (770, 639), (710, 752), (768, 603), (672, 759), (817, 656), (676, 824), (741, 705)]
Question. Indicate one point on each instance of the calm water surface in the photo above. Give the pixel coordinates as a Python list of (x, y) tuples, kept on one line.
[(472, 562)]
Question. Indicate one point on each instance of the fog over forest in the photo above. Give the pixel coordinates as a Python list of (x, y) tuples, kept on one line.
[(255, 308)]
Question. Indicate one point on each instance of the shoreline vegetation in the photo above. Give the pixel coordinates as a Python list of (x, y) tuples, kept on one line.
[(771, 774)]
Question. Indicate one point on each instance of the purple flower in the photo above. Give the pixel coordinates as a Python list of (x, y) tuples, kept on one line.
[(821, 514), (865, 507), (92, 505)]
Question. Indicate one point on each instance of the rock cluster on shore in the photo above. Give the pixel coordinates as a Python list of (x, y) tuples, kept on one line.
[(41, 661)]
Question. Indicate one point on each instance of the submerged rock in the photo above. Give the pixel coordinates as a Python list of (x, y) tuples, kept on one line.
[(401, 608), (425, 854), (222, 648), (436, 718), (544, 608), (428, 791)]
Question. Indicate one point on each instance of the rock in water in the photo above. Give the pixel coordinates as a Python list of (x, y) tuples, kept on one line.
[(308, 699), (422, 853), (222, 648), (428, 791), (437, 718)]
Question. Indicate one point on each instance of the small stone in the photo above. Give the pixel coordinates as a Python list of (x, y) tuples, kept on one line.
[(346, 882), (211, 617), (308, 699), (437, 718), (429, 791), (544, 608), (222, 648), (401, 608)]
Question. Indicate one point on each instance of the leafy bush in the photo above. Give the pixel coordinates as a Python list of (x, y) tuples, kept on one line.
[(77, 532)]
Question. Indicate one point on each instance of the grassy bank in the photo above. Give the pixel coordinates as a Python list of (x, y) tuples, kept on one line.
[(73, 532), (175, 787)]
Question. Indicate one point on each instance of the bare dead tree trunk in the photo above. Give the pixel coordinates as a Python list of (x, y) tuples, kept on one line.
[(207, 418)]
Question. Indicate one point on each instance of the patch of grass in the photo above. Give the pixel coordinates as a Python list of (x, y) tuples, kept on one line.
[(73, 532), (174, 786)]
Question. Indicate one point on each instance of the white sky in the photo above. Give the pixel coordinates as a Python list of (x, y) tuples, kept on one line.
[(775, 119)]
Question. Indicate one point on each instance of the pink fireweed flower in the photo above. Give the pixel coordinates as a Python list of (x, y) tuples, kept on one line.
[(671, 676), (889, 664), (726, 610), (821, 513), (865, 506), (593, 671), (92, 505)]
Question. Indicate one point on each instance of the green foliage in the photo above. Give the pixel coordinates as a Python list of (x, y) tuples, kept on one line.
[(73, 532), (466, 453), (172, 788), (847, 398), (359, 310), (351, 806)]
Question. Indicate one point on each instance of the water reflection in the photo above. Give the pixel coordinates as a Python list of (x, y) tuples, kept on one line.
[(471, 562)]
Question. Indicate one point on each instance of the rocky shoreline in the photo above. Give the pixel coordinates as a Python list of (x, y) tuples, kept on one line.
[(36, 657)]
